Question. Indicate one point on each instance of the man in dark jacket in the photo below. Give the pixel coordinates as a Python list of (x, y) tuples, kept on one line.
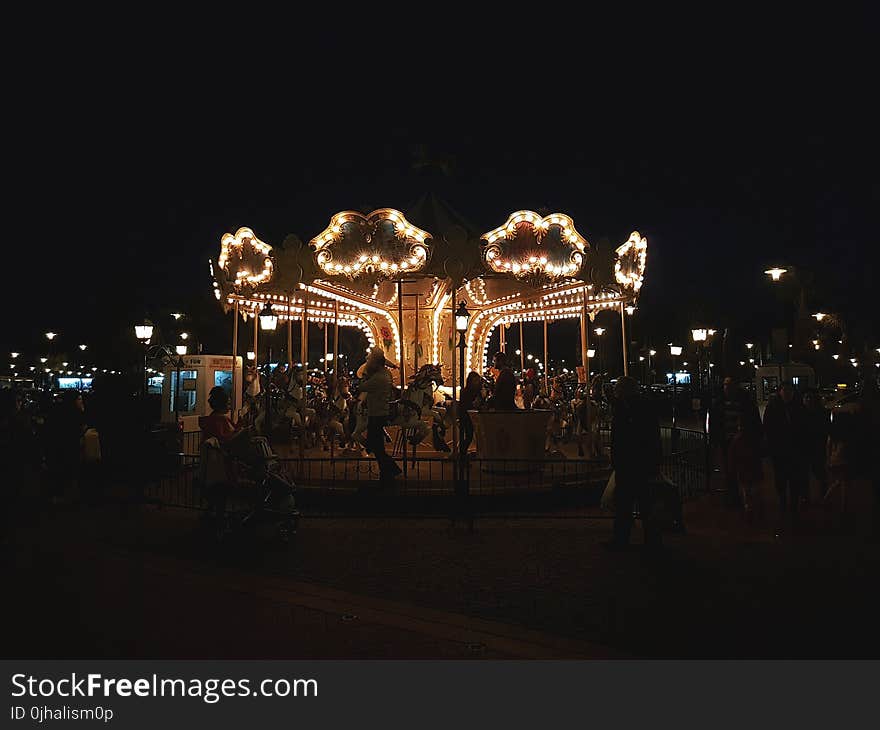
[(635, 456), (785, 426)]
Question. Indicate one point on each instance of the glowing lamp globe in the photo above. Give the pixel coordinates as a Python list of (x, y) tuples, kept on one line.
[(144, 331), (268, 319), (461, 318)]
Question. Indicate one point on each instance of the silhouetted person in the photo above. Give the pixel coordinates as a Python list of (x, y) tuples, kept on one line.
[(504, 395), (635, 456), (17, 447), (870, 407), (786, 430), (65, 426), (727, 413), (817, 424), (744, 455), (470, 396), (377, 385)]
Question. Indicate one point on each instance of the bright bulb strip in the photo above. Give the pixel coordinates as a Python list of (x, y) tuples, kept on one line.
[(371, 259), (236, 244), (538, 261), (629, 269)]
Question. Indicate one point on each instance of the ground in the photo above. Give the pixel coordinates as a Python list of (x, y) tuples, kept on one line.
[(96, 581)]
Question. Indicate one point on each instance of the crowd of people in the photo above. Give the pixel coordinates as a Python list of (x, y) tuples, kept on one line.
[(801, 438), (55, 437)]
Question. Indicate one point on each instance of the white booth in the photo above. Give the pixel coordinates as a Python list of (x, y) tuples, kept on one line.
[(197, 375), (769, 377)]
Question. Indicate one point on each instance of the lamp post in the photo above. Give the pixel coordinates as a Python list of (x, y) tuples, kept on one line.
[(144, 332), (268, 323), (675, 351), (599, 331), (461, 323), (699, 336)]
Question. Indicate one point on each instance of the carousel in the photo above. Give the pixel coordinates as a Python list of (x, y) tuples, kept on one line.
[(402, 279)]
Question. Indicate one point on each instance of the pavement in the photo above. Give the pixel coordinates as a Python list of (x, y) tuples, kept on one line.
[(145, 582)]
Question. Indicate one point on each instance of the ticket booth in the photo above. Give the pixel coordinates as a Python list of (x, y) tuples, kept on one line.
[(196, 376)]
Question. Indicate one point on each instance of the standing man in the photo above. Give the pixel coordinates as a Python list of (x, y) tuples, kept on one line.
[(732, 408), (377, 385), (786, 430), (635, 456)]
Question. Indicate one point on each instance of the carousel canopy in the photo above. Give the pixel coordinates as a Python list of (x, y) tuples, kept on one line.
[(385, 271)]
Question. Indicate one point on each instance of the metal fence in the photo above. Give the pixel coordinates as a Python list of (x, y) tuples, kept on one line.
[(429, 484)]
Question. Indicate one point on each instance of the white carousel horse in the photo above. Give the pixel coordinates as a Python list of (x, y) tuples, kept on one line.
[(418, 401)]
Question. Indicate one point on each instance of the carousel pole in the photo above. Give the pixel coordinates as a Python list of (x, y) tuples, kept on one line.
[(336, 339), (416, 348), (304, 338), (400, 334), (256, 330), (289, 337), (503, 346), (452, 357), (546, 363), (522, 351), (304, 356), (234, 356), (585, 359), (623, 336), (584, 326), (326, 328)]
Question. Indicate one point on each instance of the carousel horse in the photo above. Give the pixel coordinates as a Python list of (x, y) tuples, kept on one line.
[(298, 409), (330, 415), (418, 400)]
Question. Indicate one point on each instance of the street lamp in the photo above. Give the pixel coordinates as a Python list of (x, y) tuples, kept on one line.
[(83, 347), (268, 323), (251, 355), (51, 336), (675, 351), (184, 335), (819, 316), (177, 315), (462, 316), (180, 349), (14, 355), (699, 336), (144, 332), (775, 273), (268, 318), (599, 331), (630, 309)]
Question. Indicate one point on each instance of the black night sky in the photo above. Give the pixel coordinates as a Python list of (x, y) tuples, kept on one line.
[(122, 200)]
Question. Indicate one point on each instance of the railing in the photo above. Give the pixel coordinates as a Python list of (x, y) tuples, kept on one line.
[(430, 483)]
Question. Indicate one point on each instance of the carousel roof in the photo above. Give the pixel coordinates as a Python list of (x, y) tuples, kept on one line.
[(431, 247)]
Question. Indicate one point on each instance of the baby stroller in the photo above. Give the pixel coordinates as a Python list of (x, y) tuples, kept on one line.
[(240, 496)]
